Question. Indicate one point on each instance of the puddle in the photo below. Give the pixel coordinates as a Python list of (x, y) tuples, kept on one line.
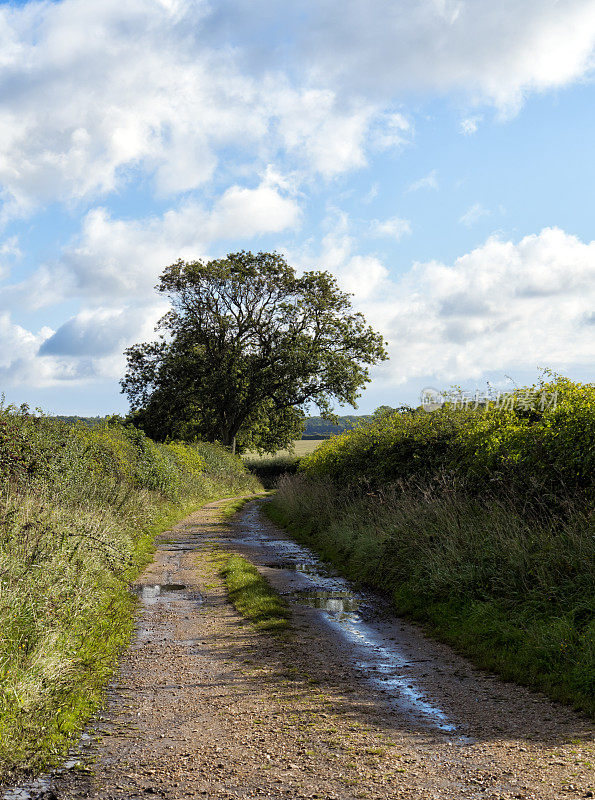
[(305, 567), (39, 788), (357, 618), (166, 593), (333, 602)]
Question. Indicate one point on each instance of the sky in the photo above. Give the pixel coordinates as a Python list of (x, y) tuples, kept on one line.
[(437, 156)]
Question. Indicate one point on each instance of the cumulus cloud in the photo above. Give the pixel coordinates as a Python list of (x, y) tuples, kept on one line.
[(102, 331), (242, 212), (493, 52), (122, 258), (18, 348), (179, 97), (94, 93), (87, 347), (501, 307), (363, 275), (504, 305)]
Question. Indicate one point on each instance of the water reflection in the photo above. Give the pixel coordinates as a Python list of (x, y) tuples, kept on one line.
[(334, 602), (162, 592), (355, 617)]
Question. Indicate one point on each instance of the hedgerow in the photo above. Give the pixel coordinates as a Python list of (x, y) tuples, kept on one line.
[(79, 507), (533, 444), (478, 522)]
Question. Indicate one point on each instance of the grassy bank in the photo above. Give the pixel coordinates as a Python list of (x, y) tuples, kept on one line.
[(252, 596), (479, 527), (79, 508)]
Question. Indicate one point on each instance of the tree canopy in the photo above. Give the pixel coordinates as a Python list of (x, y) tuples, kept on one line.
[(246, 346)]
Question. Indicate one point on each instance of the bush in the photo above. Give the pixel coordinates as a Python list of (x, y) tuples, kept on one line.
[(549, 449), (269, 470)]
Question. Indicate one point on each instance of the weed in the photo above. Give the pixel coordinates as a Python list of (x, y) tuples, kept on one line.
[(253, 597)]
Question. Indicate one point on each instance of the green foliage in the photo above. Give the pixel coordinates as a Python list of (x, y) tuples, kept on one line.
[(537, 450), (252, 596), (479, 522), (79, 506), (246, 345), (269, 470)]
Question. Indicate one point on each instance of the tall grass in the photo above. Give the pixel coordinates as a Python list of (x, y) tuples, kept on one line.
[(79, 508), (479, 526)]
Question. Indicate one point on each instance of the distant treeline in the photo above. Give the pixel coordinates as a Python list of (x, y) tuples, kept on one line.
[(319, 428), (89, 421), (316, 427)]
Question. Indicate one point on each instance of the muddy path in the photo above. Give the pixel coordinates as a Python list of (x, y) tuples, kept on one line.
[(352, 703)]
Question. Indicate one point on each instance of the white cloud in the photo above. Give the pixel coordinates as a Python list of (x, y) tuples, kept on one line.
[(473, 214), (493, 52), (94, 93), (244, 213), (469, 125), (87, 347), (501, 306), (115, 258), (174, 95), (364, 276), (18, 349), (429, 181), (102, 332), (395, 227), (312, 125), (9, 252), (391, 130), (504, 306)]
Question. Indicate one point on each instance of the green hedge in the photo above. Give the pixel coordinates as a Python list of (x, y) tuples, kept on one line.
[(549, 449)]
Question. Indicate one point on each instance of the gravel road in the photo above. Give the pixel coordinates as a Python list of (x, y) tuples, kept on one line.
[(352, 703)]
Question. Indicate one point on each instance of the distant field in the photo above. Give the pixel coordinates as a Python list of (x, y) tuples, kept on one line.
[(302, 448)]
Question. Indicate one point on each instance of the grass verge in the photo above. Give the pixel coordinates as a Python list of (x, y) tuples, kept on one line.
[(514, 593), (253, 597)]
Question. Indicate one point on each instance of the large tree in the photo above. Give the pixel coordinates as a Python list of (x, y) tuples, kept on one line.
[(246, 345)]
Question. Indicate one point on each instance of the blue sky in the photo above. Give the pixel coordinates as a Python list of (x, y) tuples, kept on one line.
[(435, 155)]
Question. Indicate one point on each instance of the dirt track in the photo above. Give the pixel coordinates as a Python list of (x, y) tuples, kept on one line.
[(204, 706)]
